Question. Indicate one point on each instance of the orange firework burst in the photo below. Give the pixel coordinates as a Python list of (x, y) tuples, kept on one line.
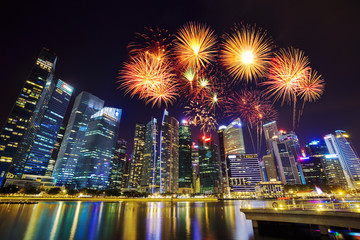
[(150, 78), (312, 87), (200, 115), (195, 46), (154, 41), (246, 53), (288, 70)]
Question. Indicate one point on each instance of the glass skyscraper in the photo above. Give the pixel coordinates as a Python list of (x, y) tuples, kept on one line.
[(341, 147), (137, 156), (209, 166), (93, 169), (119, 166), (185, 162), (19, 117), (34, 152), (149, 169), (168, 177), (54, 154), (84, 107)]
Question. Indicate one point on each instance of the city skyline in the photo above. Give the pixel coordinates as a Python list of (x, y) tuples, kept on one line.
[(332, 112)]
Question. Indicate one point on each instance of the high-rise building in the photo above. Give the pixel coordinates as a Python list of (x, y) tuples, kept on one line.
[(244, 173), (285, 150), (185, 161), (231, 141), (137, 156), (223, 164), (118, 174), (341, 146), (149, 169), (195, 168), (84, 107), (19, 117), (93, 169), (168, 178), (209, 166), (270, 167), (330, 165), (54, 155), (34, 151)]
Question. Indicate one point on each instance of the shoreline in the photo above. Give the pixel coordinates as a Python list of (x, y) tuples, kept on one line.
[(12, 200)]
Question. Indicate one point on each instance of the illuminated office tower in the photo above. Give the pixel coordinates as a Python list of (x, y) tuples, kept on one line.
[(270, 167), (223, 165), (34, 152), (119, 166), (284, 149), (149, 169), (93, 169), (244, 173), (195, 168), (18, 119), (233, 143), (185, 161), (233, 138), (168, 178), (330, 165), (209, 166), (340, 146), (55, 152), (137, 156), (84, 107)]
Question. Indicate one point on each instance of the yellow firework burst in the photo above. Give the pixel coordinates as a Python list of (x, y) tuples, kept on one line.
[(196, 45), (246, 53)]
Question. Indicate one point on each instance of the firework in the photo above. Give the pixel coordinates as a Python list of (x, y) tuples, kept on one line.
[(154, 41), (246, 53), (287, 71), (195, 46), (251, 106), (199, 115), (312, 87), (149, 78)]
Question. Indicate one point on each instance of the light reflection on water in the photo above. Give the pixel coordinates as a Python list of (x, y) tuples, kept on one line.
[(125, 220)]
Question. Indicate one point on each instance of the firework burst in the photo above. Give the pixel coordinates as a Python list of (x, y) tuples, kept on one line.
[(156, 42), (246, 53), (312, 87), (195, 46), (288, 70), (199, 115), (149, 78)]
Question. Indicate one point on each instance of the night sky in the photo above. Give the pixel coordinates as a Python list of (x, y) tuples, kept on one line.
[(90, 40)]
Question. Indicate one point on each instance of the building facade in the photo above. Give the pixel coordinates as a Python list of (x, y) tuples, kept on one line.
[(185, 161), (19, 117), (93, 169), (137, 157), (84, 107)]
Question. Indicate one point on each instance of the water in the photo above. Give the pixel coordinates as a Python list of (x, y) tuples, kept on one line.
[(144, 220), (124, 220)]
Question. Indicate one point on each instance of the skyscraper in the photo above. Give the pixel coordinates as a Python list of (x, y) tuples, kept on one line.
[(137, 156), (195, 168), (340, 146), (209, 166), (244, 173), (285, 150), (119, 164), (54, 154), (233, 143), (18, 120), (34, 151), (185, 162), (149, 169), (84, 107), (223, 164), (93, 169)]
